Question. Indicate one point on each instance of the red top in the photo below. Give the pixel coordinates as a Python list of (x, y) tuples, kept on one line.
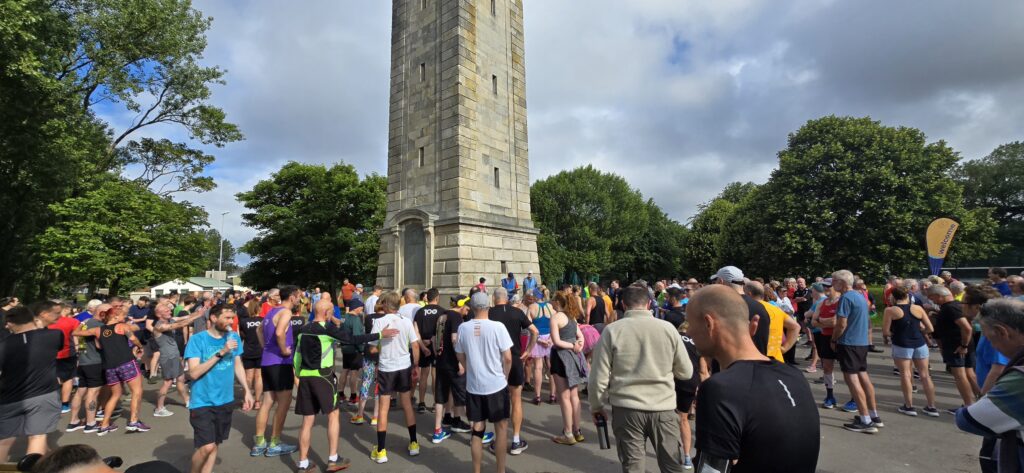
[(264, 308), (65, 325), (827, 311), (347, 290)]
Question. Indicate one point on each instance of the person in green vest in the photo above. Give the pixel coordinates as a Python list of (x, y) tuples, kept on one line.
[(318, 386)]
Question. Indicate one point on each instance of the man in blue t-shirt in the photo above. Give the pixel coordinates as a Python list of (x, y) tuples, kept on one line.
[(850, 339), (214, 357)]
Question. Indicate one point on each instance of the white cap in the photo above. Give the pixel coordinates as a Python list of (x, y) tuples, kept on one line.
[(729, 274)]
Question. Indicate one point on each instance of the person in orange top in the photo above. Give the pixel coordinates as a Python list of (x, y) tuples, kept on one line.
[(273, 300), (59, 318), (347, 288)]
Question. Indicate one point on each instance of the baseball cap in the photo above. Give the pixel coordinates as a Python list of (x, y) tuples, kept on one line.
[(730, 274), (818, 287), (479, 301), (827, 282), (359, 286)]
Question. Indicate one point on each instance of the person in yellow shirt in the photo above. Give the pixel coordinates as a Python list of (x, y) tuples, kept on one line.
[(784, 330)]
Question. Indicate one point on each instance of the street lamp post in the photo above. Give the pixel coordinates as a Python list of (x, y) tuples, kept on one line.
[(220, 262)]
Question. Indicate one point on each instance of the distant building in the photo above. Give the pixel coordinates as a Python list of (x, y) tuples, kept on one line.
[(184, 286)]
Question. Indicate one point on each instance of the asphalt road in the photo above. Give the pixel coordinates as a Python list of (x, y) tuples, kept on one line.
[(906, 444)]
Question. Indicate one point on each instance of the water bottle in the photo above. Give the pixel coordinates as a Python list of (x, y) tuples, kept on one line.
[(602, 431)]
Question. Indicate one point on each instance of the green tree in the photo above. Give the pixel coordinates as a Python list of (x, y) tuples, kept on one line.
[(594, 224), (997, 182), (123, 232), (316, 225), (852, 193), (211, 252), (701, 252), (62, 58)]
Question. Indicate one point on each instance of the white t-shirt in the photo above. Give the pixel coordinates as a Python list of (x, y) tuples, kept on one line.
[(483, 341), (371, 302), (408, 311), (394, 352)]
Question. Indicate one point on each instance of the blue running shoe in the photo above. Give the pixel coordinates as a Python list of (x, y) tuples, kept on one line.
[(258, 450), (280, 449), (830, 403), (850, 406), (488, 437), (440, 436)]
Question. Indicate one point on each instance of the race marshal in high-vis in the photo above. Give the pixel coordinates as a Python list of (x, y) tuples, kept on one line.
[(458, 173)]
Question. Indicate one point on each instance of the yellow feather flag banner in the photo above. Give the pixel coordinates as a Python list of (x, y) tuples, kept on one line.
[(940, 238)]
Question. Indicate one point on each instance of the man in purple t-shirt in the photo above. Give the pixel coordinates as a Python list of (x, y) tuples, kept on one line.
[(278, 375)]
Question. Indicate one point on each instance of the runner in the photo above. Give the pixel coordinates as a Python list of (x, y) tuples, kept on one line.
[(596, 311), (278, 374), (954, 333), (450, 383), (540, 314), (59, 318), (902, 323), (850, 341), (757, 414), (824, 318), (351, 354), (396, 373), (90, 379), (273, 299), (170, 362), (29, 399), (426, 323), (516, 322), (732, 276), (119, 365), (686, 393), (484, 349), (784, 330), (214, 357), (676, 313), (318, 387), (569, 370), (371, 358), (250, 328)]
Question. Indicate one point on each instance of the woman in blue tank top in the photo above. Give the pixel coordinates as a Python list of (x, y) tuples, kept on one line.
[(540, 313), (903, 322)]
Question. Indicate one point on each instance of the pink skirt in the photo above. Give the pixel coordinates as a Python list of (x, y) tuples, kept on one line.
[(540, 351)]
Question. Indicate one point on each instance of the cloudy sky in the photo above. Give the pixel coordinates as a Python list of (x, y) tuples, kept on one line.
[(679, 97)]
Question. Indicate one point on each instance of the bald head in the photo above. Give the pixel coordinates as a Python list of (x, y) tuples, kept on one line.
[(322, 309), (754, 289), (722, 303)]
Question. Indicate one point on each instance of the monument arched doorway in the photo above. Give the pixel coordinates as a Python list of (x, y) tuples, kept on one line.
[(414, 254)]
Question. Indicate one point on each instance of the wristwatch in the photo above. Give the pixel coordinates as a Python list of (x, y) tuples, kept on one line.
[(219, 355)]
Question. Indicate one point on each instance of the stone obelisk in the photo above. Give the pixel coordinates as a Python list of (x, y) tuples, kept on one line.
[(458, 173)]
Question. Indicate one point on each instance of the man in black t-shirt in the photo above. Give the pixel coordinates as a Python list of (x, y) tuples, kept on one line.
[(955, 336), (29, 393), (426, 322), (676, 313), (450, 383), (516, 322), (756, 412)]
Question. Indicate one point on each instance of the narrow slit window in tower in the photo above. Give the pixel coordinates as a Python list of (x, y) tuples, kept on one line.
[(497, 178), (422, 156)]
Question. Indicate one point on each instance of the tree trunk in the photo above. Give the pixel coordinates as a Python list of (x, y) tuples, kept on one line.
[(115, 287)]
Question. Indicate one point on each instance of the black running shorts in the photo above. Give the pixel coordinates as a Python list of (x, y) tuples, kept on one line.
[(316, 395), (210, 424), (488, 407), (391, 382), (278, 378)]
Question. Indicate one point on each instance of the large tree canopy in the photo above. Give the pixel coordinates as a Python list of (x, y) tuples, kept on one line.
[(62, 58), (316, 225), (852, 193), (997, 182), (702, 252), (594, 224)]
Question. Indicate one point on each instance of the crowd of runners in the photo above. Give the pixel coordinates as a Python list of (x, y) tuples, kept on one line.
[(651, 359)]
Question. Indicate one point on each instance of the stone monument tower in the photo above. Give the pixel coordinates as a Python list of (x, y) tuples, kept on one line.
[(458, 174)]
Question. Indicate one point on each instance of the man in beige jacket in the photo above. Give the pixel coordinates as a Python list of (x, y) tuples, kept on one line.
[(634, 367)]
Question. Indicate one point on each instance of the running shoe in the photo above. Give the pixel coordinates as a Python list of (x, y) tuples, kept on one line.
[(877, 421), (280, 449), (99, 414), (578, 436), (258, 450), (830, 403), (379, 456), (564, 440), (75, 426), (106, 430), (917, 374), (488, 438), (859, 426), (440, 436), (373, 421), (446, 422), (952, 411), (931, 411), (357, 420), (162, 412), (910, 411), (895, 371), (874, 349), (518, 447), (414, 448), (65, 408), (91, 429), (421, 408), (850, 406), (310, 467), (137, 426), (460, 426), (687, 463), (340, 464)]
